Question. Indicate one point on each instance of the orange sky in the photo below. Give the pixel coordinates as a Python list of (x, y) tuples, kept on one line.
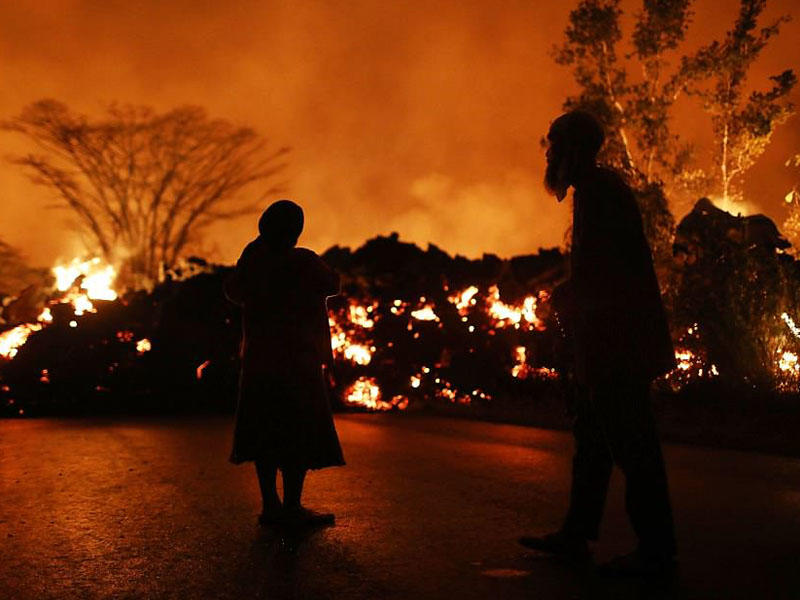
[(422, 117)]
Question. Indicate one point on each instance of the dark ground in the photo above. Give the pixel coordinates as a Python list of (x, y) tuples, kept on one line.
[(427, 508)]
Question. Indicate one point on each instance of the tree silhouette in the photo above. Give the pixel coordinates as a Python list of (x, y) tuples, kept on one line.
[(717, 73), (15, 273), (141, 185), (634, 111), (791, 226)]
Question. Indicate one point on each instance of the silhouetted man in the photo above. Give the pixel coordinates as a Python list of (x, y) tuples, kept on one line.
[(283, 418), (612, 307)]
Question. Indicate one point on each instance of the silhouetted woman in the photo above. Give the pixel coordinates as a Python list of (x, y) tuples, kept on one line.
[(283, 419)]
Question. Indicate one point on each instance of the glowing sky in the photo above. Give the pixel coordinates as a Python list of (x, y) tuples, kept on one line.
[(420, 117)]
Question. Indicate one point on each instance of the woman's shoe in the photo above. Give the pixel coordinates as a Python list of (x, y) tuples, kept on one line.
[(305, 517), (269, 520), (272, 517)]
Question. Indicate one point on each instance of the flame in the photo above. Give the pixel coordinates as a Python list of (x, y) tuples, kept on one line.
[(519, 370), (522, 370), (401, 402), (357, 353), (685, 359), (791, 324), (426, 313), (502, 314), (449, 393), (366, 393), (80, 303), (506, 314), (13, 339), (788, 362), (344, 341), (464, 299), (46, 316), (143, 346), (200, 368), (362, 315), (97, 278)]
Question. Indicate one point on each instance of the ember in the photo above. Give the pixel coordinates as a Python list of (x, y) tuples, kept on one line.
[(522, 370), (691, 362), (200, 368)]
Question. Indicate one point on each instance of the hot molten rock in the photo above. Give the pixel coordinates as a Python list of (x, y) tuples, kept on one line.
[(77, 283)]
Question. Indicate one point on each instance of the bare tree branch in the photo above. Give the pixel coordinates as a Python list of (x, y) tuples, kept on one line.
[(143, 184)]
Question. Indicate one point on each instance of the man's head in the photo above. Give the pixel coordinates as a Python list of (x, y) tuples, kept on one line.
[(573, 142), (281, 224)]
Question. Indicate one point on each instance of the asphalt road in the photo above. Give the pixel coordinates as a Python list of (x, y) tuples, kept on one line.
[(426, 508)]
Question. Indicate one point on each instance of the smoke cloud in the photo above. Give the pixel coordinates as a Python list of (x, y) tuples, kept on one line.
[(419, 117)]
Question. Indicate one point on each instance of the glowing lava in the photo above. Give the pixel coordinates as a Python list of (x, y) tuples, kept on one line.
[(13, 339), (365, 392)]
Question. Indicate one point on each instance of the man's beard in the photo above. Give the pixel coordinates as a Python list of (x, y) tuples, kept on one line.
[(555, 180)]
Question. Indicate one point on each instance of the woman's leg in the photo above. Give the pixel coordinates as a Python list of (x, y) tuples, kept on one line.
[(267, 472), (293, 480), (292, 491)]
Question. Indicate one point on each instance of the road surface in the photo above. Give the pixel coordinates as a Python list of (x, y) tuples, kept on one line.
[(426, 508)]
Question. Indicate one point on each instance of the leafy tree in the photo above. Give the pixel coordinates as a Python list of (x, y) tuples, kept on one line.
[(590, 49), (140, 185), (791, 226), (634, 94), (636, 113), (660, 27), (742, 124)]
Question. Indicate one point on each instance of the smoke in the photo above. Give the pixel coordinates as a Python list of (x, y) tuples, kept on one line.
[(513, 214), (420, 117)]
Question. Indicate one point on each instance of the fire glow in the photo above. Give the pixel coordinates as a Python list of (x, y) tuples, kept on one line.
[(365, 392), (473, 316), (13, 339), (77, 283)]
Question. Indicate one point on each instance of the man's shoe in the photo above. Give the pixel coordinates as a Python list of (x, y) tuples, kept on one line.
[(558, 544), (638, 564)]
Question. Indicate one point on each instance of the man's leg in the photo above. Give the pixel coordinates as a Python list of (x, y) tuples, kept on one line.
[(630, 427), (591, 471)]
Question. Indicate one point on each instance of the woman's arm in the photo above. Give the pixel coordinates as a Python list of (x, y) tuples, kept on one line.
[(235, 286)]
